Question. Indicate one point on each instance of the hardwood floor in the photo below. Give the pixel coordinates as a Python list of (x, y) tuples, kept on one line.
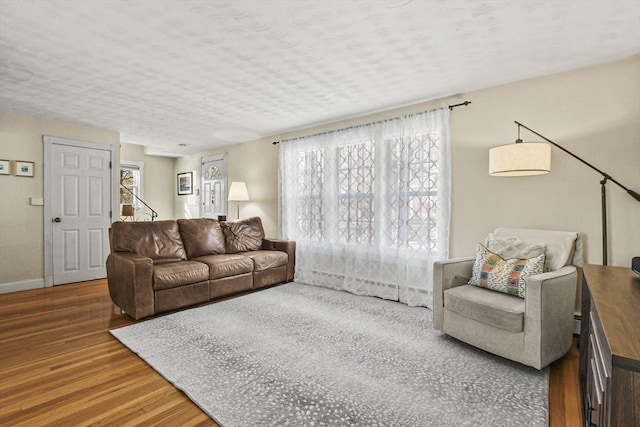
[(59, 366), (564, 390)]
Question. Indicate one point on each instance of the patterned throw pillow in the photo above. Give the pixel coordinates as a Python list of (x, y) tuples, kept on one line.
[(504, 275)]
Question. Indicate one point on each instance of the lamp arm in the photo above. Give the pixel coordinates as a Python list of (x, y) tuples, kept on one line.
[(604, 175)]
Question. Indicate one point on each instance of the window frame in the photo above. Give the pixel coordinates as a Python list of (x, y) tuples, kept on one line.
[(139, 167)]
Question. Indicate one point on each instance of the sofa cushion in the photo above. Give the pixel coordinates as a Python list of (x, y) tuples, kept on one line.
[(171, 275), (201, 236), (226, 265), (264, 260), (243, 235), (484, 305), (504, 275), (153, 239)]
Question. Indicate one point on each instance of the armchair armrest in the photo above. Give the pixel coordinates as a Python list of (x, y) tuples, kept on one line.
[(448, 274), (285, 246), (130, 281), (549, 310), (452, 272)]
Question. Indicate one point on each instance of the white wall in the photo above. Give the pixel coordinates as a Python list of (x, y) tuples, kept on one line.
[(21, 225), (255, 163), (158, 179), (593, 112)]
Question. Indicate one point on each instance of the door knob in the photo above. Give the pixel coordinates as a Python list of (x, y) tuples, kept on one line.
[(57, 219)]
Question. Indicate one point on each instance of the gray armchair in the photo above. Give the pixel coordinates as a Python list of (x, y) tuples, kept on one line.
[(534, 330)]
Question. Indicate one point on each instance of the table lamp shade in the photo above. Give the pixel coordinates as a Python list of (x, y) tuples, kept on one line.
[(127, 210), (238, 192)]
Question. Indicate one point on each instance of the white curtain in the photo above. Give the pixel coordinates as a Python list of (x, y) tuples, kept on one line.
[(368, 206)]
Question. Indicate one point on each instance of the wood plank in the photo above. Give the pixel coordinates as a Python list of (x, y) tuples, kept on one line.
[(564, 390), (615, 292), (60, 366)]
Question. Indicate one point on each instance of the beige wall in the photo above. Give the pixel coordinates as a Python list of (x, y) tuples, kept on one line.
[(21, 225), (255, 163), (158, 178), (593, 112)]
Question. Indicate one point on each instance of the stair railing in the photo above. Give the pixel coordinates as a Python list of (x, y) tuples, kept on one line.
[(153, 215)]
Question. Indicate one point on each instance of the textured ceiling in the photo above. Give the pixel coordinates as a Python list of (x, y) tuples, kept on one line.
[(212, 73)]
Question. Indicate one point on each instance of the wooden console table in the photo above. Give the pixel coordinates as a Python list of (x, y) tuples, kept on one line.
[(610, 346)]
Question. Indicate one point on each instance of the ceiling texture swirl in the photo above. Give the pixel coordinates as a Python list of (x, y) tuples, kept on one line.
[(182, 77)]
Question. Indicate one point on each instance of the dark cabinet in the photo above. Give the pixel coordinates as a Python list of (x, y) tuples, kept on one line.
[(610, 347)]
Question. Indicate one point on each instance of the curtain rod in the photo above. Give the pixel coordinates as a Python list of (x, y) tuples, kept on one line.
[(451, 107)]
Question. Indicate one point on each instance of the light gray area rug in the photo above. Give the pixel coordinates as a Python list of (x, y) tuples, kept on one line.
[(300, 355)]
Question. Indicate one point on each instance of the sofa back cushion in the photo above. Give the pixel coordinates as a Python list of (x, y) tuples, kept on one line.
[(243, 235), (201, 236), (158, 240), (559, 245)]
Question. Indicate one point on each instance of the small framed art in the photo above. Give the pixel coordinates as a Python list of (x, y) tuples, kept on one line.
[(4, 167), (185, 183), (24, 168)]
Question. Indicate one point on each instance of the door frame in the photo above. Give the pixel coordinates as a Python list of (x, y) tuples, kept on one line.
[(48, 142)]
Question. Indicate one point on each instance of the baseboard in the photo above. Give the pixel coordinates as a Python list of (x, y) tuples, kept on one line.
[(6, 288), (576, 324)]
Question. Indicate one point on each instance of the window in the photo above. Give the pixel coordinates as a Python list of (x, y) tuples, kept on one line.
[(410, 193), (131, 183), (310, 212), (413, 201), (368, 206), (356, 176)]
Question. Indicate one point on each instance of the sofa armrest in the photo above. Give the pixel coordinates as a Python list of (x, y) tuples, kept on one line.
[(130, 280), (448, 274), (285, 246), (549, 311)]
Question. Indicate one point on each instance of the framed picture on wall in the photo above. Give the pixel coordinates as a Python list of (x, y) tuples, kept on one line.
[(185, 183), (4, 167), (24, 168)]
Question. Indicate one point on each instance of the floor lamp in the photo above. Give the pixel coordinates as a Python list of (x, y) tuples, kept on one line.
[(534, 158), (238, 193)]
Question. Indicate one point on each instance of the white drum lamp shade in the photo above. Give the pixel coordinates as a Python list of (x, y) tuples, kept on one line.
[(520, 159)]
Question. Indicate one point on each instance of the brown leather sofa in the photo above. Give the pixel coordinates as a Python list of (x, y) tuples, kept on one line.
[(157, 266)]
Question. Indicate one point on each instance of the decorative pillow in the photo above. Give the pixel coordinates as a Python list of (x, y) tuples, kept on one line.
[(493, 272), (201, 236), (243, 235)]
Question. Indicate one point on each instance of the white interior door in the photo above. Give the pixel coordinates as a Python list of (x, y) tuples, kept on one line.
[(213, 194), (80, 212)]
